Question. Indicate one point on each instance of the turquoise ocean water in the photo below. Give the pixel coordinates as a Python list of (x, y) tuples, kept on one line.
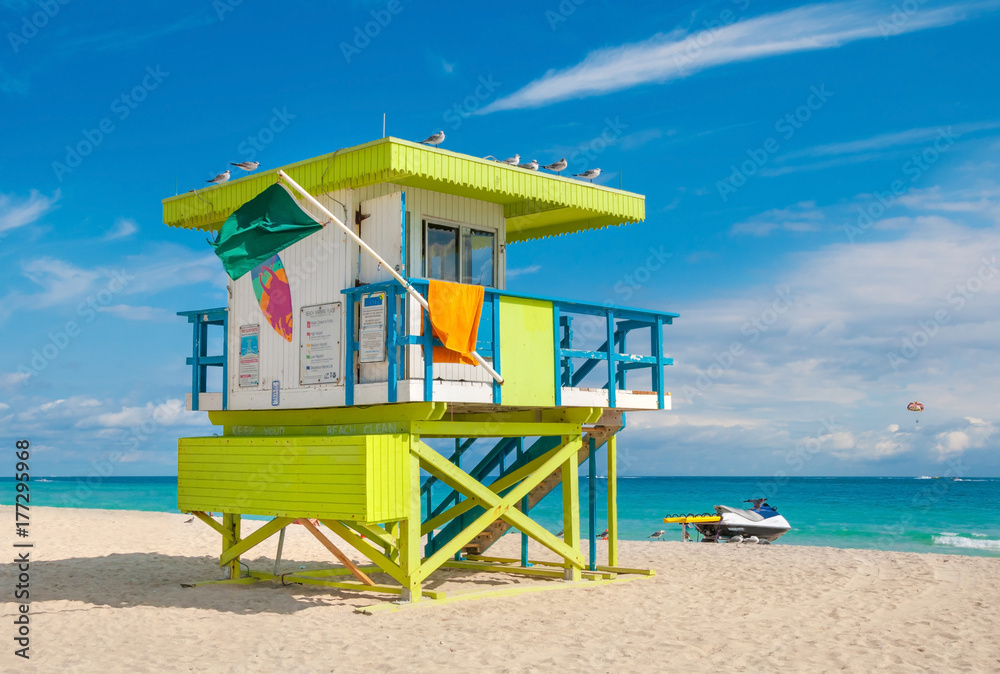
[(906, 514)]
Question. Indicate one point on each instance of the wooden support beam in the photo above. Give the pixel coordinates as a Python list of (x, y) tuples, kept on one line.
[(306, 579), (327, 416), (344, 559), (233, 552), (613, 500), (497, 507), (210, 521), (476, 429), (447, 516), (231, 540), (571, 509), (376, 533), (544, 562), (367, 549), (409, 535)]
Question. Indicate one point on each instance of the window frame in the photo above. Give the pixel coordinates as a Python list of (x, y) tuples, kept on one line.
[(463, 230)]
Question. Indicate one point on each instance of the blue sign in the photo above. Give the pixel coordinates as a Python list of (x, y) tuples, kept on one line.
[(275, 393)]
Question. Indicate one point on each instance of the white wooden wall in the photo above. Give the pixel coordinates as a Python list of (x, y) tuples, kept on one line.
[(323, 264)]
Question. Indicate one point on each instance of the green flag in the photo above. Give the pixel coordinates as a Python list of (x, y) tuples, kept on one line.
[(260, 228)]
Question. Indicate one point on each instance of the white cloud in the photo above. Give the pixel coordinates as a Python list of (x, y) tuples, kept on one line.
[(61, 408), (757, 372), (11, 379), (168, 413), (521, 271), (124, 227), (140, 313), (975, 435), (14, 213), (802, 217), (678, 54)]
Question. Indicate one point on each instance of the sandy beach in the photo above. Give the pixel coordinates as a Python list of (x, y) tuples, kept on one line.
[(106, 596)]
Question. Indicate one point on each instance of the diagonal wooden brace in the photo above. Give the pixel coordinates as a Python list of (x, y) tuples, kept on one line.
[(495, 506), (344, 559), (257, 537), (366, 549)]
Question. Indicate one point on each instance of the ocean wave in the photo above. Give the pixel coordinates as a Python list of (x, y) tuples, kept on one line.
[(961, 542)]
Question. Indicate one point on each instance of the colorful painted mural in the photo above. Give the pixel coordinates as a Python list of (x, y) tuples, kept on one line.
[(270, 285)]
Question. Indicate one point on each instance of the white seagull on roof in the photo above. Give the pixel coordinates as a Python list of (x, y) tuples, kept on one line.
[(435, 139), (246, 165), (221, 178), (589, 174), (557, 166), (531, 165), (513, 161)]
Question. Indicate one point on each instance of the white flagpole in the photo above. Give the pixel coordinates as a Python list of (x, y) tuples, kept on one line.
[(385, 265)]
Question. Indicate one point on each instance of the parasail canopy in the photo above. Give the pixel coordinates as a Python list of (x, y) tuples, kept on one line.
[(915, 407)]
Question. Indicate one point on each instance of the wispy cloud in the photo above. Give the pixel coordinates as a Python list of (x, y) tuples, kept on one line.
[(140, 313), (16, 213), (802, 217), (124, 227), (127, 38), (521, 271), (873, 148), (666, 56)]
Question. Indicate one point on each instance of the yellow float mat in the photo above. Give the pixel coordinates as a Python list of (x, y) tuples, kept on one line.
[(691, 519)]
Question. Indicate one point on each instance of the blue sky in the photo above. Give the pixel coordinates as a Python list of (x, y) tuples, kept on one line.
[(822, 182)]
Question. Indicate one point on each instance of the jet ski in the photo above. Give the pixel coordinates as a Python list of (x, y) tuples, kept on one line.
[(761, 521)]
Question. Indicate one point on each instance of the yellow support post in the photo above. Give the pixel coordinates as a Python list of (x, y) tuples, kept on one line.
[(231, 524), (571, 509), (613, 500), (393, 528), (409, 535)]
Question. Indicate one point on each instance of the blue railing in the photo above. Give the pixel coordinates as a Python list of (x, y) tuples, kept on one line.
[(200, 361), (618, 324)]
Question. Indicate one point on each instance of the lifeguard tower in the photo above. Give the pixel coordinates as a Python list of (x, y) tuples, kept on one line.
[(339, 404)]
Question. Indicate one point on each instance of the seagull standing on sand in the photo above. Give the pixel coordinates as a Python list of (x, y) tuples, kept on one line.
[(221, 178), (589, 174), (557, 166), (246, 165), (658, 534), (435, 139), (531, 165), (513, 161)]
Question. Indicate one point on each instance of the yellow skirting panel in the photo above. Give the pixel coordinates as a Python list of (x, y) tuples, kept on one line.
[(361, 478)]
